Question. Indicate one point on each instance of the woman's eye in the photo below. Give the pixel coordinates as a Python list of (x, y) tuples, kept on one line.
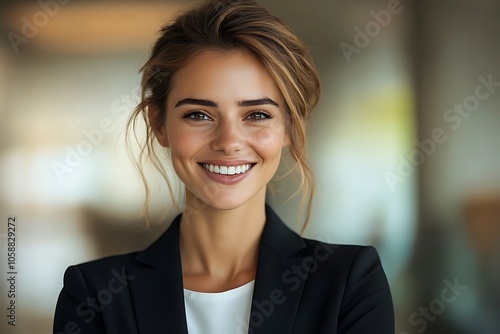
[(197, 116), (258, 116)]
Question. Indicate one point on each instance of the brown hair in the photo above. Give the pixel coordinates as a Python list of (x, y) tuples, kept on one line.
[(231, 25)]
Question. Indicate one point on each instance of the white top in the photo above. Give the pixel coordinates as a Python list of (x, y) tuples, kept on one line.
[(226, 312)]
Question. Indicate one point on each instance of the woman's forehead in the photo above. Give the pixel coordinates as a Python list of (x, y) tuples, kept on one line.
[(221, 74)]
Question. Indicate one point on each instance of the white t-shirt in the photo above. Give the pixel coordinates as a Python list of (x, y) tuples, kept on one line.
[(226, 312)]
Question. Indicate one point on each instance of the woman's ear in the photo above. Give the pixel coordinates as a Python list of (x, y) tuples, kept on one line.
[(157, 125)]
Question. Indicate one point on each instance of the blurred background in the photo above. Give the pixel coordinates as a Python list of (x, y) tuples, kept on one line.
[(405, 145)]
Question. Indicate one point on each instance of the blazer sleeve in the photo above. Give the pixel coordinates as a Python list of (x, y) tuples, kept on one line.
[(366, 303), (76, 312)]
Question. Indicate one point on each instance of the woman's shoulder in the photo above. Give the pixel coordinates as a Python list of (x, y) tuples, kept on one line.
[(100, 270), (323, 257), (350, 279), (346, 251), (107, 261), (352, 260)]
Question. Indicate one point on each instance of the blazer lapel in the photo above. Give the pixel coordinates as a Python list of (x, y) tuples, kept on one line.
[(280, 278), (158, 295), (157, 290)]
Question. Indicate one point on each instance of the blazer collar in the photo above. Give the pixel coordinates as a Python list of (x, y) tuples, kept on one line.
[(158, 296), (276, 236)]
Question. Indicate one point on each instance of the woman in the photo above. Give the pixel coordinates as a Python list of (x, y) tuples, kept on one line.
[(226, 89)]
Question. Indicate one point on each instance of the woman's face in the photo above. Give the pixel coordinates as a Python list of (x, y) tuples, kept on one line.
[(225, 126)]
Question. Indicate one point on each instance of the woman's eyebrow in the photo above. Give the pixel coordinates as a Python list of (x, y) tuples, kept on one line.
[(213, 104), (258, 102), (198, 102)]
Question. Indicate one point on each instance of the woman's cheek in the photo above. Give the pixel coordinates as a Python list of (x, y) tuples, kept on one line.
[(270, 137), (183, 141)]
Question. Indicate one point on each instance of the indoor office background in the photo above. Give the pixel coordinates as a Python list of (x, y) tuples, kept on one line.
[(405, 145)]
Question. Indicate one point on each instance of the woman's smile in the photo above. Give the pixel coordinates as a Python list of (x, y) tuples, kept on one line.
[(227, 173), (227, 169)]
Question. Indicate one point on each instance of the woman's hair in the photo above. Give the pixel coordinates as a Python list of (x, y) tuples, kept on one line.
[(243, 25)]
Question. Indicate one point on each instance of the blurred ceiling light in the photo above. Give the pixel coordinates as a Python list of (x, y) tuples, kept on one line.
[(90, 26)]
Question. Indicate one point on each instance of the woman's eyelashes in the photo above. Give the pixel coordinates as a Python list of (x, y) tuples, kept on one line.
[(259, 116), (196, 116), (200, 116)]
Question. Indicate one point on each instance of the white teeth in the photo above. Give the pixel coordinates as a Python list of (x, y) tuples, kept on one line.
[(227, 170)]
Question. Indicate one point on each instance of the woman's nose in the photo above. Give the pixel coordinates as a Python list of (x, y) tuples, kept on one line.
[(228, 138)]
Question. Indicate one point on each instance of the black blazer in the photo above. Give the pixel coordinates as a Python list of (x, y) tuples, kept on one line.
[(302, 286)]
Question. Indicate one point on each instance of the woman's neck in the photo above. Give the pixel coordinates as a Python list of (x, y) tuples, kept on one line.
[(219, 248)]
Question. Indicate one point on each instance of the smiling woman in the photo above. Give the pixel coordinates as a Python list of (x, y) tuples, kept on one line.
[(226, 89)]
